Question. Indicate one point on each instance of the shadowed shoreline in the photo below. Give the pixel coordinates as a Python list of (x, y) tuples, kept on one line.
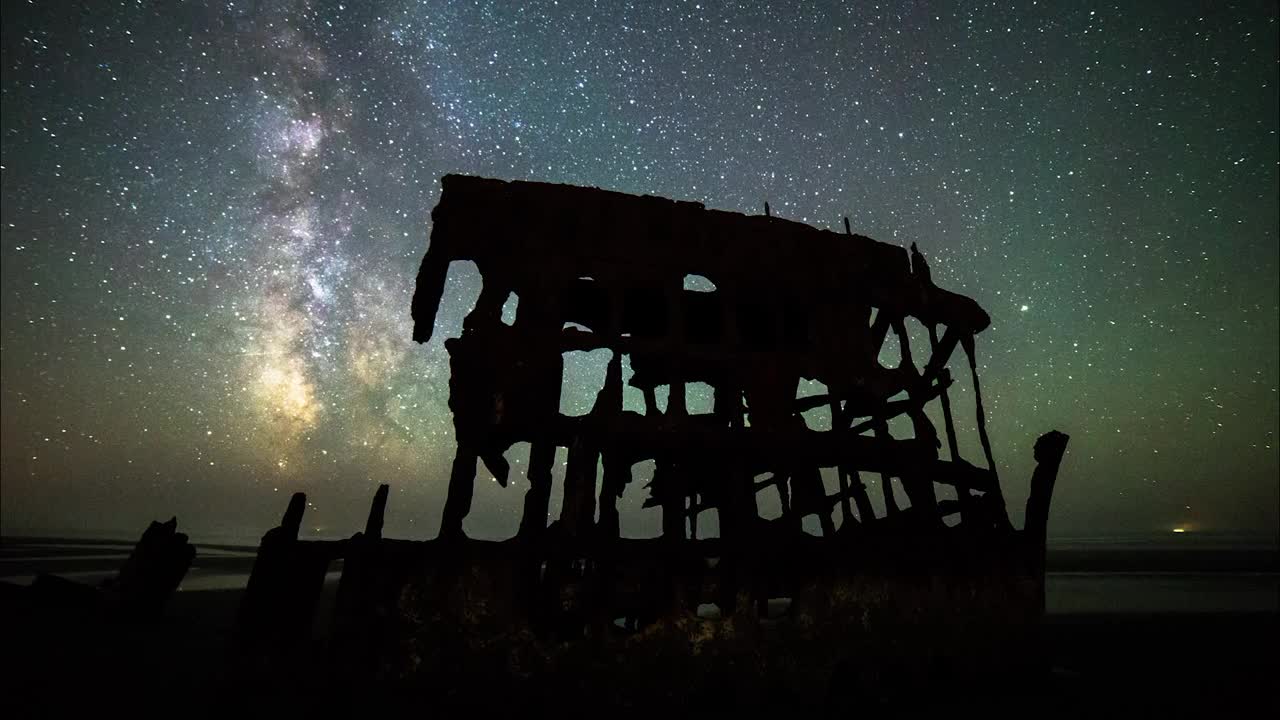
[(1169, 665), (1103, 663), (56, 555)]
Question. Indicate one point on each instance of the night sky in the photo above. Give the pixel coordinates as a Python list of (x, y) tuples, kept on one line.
[(213, 217)]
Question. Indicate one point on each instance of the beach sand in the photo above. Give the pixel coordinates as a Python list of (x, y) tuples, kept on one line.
[(1176, 665), (1104, 664)]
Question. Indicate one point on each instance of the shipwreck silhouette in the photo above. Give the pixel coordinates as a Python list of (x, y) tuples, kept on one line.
[(570, 606)]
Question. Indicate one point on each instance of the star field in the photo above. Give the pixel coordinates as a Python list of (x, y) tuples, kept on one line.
[(213, 216)]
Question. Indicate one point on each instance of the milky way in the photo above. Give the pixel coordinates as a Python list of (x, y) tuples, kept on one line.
[(212, 219)]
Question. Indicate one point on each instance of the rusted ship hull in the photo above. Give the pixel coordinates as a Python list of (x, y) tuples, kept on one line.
[(642, 623), (898, 614), (572, 613)]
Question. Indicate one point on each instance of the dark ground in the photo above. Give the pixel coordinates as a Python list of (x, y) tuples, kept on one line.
[(1103, 666), (57, 662)]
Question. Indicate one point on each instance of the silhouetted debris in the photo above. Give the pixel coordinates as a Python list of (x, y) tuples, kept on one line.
[(601, 270), (572, 613), (154, 569), (377, 511), (284, 587), (139, 590), (1049, 450)]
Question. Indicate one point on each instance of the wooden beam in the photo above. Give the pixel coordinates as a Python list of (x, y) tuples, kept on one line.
[(941, 350), (879, 328), (1003, 512), (886, 481), (895, 408)]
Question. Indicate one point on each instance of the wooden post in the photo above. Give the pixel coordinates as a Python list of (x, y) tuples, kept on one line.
[(578, 510), (291, 523), (1049, 450), (879, 329), (279, 602), (676, 405), (944, 377), (846, 512), (461, 487), (667, 490), (1002, 513), (617, 470), (617, 475), (650, 401), (866, 513), (695, 509), (784, 497), (963, 495), (377, 511), (537, 500), (886, 483)]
